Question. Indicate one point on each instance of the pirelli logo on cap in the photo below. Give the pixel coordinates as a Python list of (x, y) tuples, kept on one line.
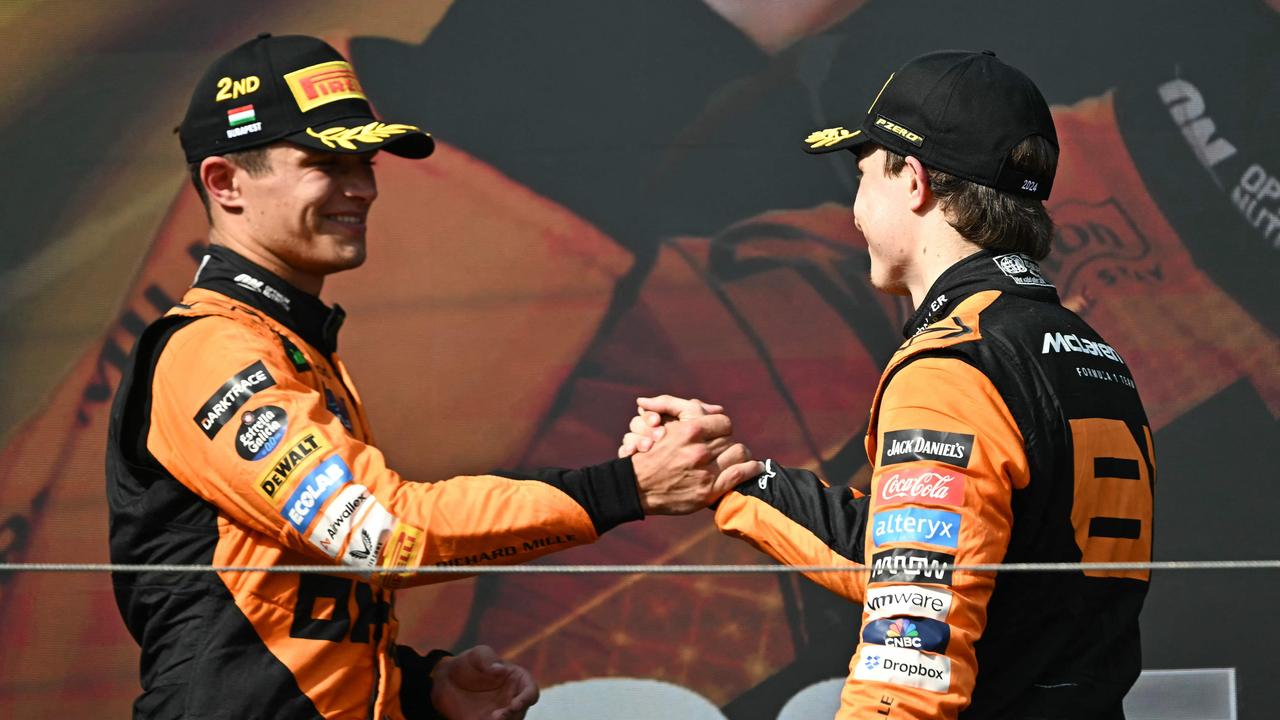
[(324, 83), (886, 124), (298, 453)]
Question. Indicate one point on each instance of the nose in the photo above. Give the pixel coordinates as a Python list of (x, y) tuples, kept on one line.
[(361, 184)]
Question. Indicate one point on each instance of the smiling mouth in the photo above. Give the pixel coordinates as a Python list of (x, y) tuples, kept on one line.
[(355, 220)]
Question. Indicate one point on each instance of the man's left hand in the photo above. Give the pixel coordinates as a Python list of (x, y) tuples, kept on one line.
[(476, 685)]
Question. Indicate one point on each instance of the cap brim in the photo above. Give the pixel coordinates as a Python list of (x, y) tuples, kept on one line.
[(363, 134), (832, 139)]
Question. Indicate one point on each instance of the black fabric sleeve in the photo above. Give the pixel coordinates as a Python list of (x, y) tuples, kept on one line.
[(835, 515), (607, 491), (416, 683)]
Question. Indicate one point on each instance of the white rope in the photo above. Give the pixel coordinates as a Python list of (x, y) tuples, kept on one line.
[(630, 569)]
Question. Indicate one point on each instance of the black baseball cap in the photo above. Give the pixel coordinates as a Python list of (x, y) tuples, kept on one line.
[(957, 111), (291, 87)]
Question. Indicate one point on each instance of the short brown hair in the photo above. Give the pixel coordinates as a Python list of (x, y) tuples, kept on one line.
[(254, 161), (991, 218)]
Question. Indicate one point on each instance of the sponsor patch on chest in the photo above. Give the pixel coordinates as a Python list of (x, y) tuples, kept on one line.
[(261, 430), (234, 393)]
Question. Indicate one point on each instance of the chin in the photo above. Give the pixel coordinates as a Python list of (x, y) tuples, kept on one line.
[(351, 262), (887, 283), (349, 255)]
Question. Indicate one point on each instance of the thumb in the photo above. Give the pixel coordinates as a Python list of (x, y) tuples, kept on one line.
[(712, 408), (478, 663)]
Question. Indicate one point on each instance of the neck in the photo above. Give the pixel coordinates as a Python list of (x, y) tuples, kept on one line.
[(938, 251), (256, 252)]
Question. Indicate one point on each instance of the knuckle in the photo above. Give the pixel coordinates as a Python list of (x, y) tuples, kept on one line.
[(703, 455), (686, 431)]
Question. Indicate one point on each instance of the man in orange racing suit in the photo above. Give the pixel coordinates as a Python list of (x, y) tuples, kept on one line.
[(1004, 429), (280, 140)]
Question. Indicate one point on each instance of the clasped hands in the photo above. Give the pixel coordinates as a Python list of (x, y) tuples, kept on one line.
[(684, 458), (684, 454)]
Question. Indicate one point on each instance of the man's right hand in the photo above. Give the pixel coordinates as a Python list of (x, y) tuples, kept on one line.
[(690, 460)]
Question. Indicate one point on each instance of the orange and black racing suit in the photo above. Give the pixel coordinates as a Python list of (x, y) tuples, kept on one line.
[(1003, 430), (237, 439)]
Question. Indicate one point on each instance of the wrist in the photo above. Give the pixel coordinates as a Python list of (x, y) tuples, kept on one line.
[(417, 681), (437, 663), (639, 473)]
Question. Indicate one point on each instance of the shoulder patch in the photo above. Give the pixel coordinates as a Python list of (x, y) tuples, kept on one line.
[(299, 452), (234, 393), (295, 355), (261, 430)]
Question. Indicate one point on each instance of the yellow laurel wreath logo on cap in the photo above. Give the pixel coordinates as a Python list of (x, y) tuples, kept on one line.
[(829, 137), (346, 138)]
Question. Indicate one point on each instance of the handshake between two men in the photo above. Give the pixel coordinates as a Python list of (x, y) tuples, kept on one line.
[(684, 454)]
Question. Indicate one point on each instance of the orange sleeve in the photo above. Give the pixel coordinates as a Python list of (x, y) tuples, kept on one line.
[(792, 516), (235, 423), (946, 454)]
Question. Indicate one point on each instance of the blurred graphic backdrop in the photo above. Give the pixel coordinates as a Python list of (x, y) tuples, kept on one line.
[(619, 205)]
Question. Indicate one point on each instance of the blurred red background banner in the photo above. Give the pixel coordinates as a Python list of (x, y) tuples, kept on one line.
[(618, 206)]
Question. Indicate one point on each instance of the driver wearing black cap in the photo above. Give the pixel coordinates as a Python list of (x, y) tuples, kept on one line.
[(237, 438), (1004, 428)]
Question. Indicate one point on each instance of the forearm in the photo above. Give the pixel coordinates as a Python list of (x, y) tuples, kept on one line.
[(506, 519), (790, 515)]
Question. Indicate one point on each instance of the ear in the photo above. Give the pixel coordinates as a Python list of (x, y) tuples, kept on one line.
[(917, 183), (221, 179)]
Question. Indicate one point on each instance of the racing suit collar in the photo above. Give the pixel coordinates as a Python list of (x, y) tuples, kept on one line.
[(1012, 273), (228, 273)]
